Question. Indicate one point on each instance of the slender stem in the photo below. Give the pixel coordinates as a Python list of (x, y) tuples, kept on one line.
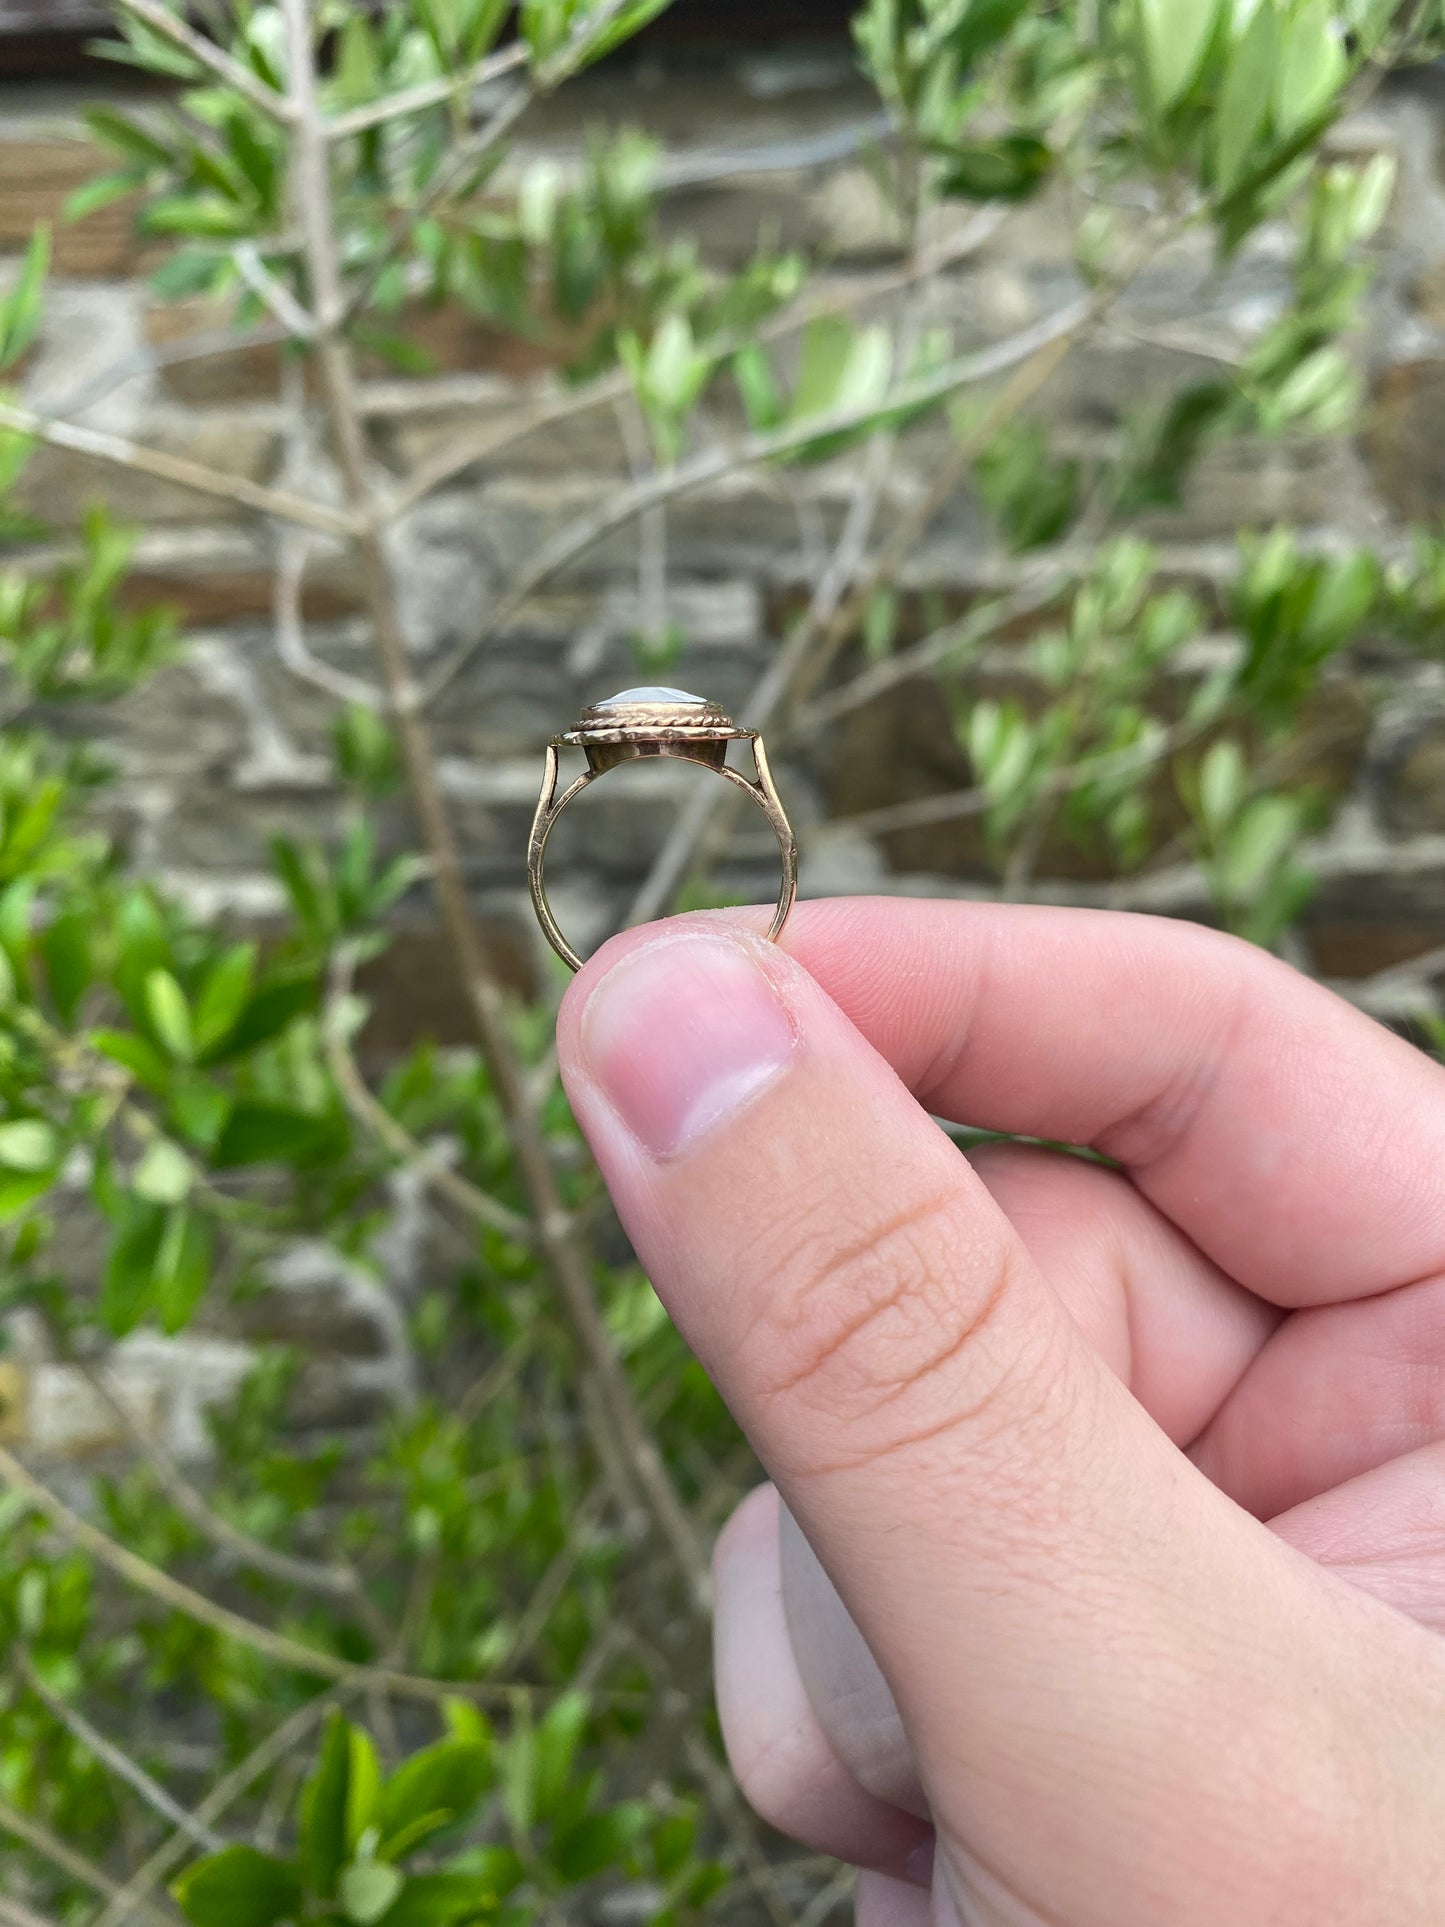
[(428, 93), (117, 1760), (61, 1854), (14, 1913), (179, 1597), (123, 453), (222, 1796), (557, 1235), (172, 27), (309, 1575), (375, 1117), (712, 465), (476, 445)]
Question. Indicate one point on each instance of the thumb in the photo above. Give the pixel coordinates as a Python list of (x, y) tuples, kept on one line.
[(1115, 1683)]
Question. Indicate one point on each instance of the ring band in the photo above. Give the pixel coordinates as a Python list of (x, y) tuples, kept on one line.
[(650, 723)]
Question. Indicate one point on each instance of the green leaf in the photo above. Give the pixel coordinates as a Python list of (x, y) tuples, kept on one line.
[(559, 1735), (28, 1144), (258, 1133), (599, 1840), (182, 1268), (367, 1890), (103, 191), (1222, 781), (200, 215), (445, 1899), (1244, 103), (128, 1284), (363, 1787), (17, 1193), (448, 1778), (1311, 67), (65, 947), (984, 24), (1175, 36), (273, 1008), (841, 367), (170, 1014), (164, 1175), (239, 1887), (323, 1812), (1009, 169), (128, 137), (20, 311), (133, 1053), (223, 996)]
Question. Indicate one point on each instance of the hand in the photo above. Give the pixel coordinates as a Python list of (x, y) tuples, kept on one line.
[(1112, 1548)]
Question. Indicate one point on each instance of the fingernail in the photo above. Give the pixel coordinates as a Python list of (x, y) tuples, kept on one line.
[(683, 1035)]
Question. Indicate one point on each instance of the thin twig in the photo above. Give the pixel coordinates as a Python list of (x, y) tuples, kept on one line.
[(374, 1116), (289, 625), (477, 445), (309, 1575), (14, 1913), (274, 294), (714, 464), (172, 27), (557, 1235), (211, 344), (184, 1599), (222, 1796), (428, 93), (117, 1760), (61, 1854), (121, 452)]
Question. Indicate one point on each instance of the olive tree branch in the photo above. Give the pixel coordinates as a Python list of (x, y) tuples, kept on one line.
[(230, 72), (61, 1854), (476, 445), (115, 1759), (715, 464), (374, 1117), (308, 1575), (184, 1599), (427, 93), (121, 452), (557, 1235), (222, 1796)]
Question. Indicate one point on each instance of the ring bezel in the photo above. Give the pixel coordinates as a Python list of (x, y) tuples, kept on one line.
[(614, 733), (691, 730)]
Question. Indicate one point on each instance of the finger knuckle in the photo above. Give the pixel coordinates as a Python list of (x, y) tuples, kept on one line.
[(875, 1326)]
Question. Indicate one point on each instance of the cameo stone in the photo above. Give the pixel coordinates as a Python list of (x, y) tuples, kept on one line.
[(652, 693)]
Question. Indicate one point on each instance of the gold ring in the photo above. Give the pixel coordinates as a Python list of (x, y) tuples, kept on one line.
[(653, 722)]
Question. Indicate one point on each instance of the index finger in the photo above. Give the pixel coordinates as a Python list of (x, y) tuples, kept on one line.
[(1294, 1139)]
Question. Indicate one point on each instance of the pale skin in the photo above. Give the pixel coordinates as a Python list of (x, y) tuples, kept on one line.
[(1101, 1576)]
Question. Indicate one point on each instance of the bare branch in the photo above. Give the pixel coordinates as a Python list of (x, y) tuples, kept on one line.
[(275, 294), (630, 1444), (374, 1117), (309, 1575), (478, 445), (211, 344), (290, 629), (716, 463), (222, 1796), (138, 1572), (14, 1913), (61, 1854), (123, 453), (429, 93), (170, 26), (116, 1760)]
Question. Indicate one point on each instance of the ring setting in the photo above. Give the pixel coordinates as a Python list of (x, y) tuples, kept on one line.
[(644, 724)]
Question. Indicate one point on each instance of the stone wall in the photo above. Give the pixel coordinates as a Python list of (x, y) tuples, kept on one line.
[(230, 747)]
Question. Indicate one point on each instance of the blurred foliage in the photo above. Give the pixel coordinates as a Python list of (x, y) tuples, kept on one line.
[(506, 1673)]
